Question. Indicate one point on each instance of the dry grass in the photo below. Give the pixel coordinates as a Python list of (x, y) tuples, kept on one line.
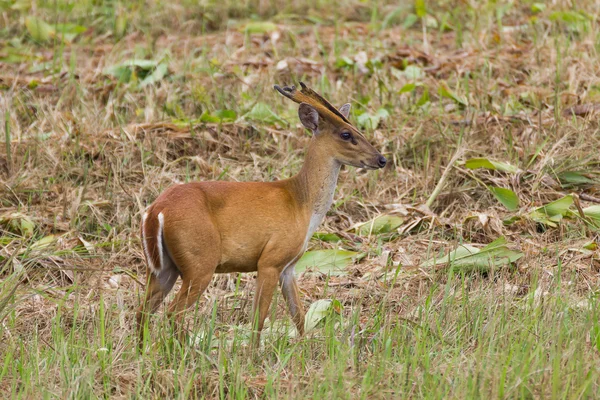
[(87, 152)]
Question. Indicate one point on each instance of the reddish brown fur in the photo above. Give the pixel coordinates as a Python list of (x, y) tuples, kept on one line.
[(220, 227)]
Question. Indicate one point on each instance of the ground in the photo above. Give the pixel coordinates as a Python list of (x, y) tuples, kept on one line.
[(467, 268)]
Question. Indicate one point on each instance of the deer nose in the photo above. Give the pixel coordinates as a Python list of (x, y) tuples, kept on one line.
[(381, 161)]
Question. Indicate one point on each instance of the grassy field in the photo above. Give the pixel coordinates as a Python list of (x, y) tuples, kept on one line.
[(467, 268)]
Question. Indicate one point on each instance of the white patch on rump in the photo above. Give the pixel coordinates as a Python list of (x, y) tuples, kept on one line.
[(145, 244), (159, 238)]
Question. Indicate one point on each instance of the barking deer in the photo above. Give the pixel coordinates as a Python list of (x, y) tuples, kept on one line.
[(195, 230)]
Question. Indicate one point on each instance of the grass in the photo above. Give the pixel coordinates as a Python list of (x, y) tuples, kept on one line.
[(106, 104)]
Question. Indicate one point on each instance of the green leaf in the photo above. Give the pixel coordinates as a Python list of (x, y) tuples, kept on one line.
[(507, 197), (263, 113), (574, 178), (538, 7), (553, 212), (413, 72), (207, 117), (120, 25), (344, 62), (19, 223), (260, 27), (445, 91), (467, 258), (593, 213), (371, 121), (569, 17), (43, 242), (157, 75), (327, 237), (380, 224), (226, 115), (424, 99), (475, 163), (420, 9), (149, 71), (39, 30), (410, 20), (69, 31), (408, 88), (331, 261), (319, 310)]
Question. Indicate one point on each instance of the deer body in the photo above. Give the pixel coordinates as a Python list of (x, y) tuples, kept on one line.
[(198, 229)]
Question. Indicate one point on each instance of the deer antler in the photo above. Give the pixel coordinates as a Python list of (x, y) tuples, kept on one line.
[(312, 98)]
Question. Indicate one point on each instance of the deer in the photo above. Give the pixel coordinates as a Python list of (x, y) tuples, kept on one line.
[(198, 229)]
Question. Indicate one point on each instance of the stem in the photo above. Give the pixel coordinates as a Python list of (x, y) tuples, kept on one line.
[(440, 185), (7, 133)]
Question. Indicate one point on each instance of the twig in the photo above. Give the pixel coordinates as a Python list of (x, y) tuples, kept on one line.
[(588, 197)]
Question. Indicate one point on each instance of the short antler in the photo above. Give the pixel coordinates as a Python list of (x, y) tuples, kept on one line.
[(312, 98)]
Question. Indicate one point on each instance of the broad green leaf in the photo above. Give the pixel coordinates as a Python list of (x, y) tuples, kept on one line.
[(19, 223), (410, 20), (43, 242), (413, 72), (507, 197), (209, 118), (330, 261), (327, 237), (122, 73), (392, 16), (263, 113), (593, 213), (475, 163), (553, 212), (445, 91), (69, 31), (538, 7), (39, 30), (408, 88), (430, 21), (226, 115), (467, 258), (120, 25), (380, 224), (318, 311), (157, 75), (147, 71), (424, 99), (574, 178), (260, 27), (344, 62), (570, 17), (420, 9), (371, 121)]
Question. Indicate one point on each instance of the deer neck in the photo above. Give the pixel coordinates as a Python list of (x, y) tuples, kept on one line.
[(314, 185)]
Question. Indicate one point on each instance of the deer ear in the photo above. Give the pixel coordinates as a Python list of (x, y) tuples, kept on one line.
[(345, 110), (309, 117)]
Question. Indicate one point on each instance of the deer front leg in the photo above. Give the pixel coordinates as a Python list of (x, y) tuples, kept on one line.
[(289, 288), (266, 282)]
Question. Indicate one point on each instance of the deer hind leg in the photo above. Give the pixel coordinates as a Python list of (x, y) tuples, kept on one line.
[(289, 288), (159, 286), (195, 282), (162, 275)]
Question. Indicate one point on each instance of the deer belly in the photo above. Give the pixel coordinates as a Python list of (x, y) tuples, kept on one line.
[(238, 256)]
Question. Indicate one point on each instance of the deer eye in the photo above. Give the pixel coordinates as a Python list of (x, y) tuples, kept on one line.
[(345, 135)]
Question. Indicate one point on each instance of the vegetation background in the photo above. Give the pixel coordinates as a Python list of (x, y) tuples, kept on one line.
[(467, 268)]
